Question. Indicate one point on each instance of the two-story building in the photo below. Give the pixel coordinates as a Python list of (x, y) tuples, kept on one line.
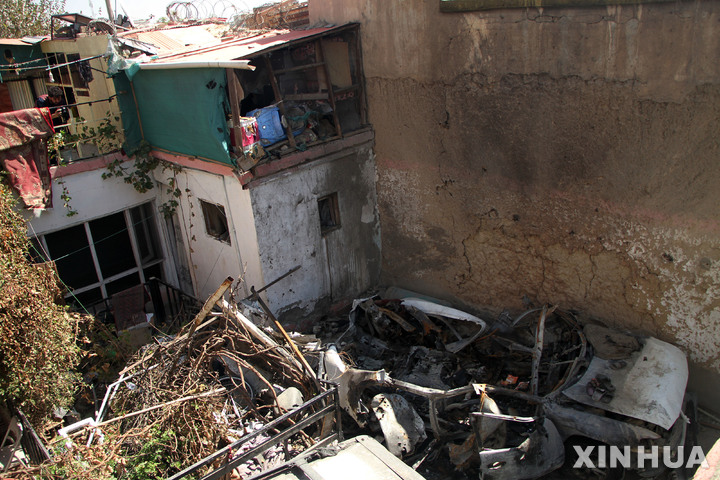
[(303, 194)]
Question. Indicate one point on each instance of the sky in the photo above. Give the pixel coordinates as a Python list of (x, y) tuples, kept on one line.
[(142, 9)]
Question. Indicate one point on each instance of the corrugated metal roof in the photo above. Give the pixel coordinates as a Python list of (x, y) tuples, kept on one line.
[(172, 39), (157, 38), (244, 48), (13, 41), (195, 34)]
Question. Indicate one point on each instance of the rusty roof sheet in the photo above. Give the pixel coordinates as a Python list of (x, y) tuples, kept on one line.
[(160, 40), (169, 40), (14, 41), (246, 47)]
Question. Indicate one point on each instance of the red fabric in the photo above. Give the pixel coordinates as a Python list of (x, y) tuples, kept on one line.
[(250, 134), (23, 153)]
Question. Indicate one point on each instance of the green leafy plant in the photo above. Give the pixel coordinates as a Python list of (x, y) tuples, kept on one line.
[(153, 461), (27, 17), (38, 352), (106, 136), (66, 198), (140, 176)]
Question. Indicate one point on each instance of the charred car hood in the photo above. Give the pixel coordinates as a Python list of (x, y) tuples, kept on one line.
[(649, 387)]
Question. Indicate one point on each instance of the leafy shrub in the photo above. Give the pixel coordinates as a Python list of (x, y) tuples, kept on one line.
[(37, 336)]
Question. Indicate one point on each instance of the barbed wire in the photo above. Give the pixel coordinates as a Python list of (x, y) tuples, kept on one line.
[(196, 10), (280, 14)]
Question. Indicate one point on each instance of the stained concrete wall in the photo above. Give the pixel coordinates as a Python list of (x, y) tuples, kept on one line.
[(336, 265), (551, 155), (209, 259)]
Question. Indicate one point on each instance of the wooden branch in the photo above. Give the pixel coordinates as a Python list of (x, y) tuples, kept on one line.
[(298, 353), (259, 335), (209, 304), (155, 407)]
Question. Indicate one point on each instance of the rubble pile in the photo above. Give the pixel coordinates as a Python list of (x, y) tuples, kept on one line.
[(233, 395), (183, 403), (242, 383)]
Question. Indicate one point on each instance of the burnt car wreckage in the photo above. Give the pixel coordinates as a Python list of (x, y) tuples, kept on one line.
[(459, 396), (510, 399)]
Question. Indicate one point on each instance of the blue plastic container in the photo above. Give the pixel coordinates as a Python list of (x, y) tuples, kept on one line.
[(269, 126)]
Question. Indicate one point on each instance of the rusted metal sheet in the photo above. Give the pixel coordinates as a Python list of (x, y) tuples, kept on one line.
[(247, 47)]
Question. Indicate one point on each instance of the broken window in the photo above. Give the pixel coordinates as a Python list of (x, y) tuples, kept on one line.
[(215, 221), (329, 213), (104, 256), (302, 93), (72, 78)]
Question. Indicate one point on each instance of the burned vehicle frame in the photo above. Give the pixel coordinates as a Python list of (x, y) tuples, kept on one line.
[(509, 399)]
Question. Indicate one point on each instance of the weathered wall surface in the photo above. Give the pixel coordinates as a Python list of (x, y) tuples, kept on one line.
[(559, 155), (90, 195), (211, 260), (336, 265), (93, 197)]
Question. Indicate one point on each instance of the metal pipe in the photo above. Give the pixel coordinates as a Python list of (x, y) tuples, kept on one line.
[(239, 64)]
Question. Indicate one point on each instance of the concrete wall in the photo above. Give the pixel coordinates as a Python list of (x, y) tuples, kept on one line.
[(211, 260), (551, 155), (335, 266), (90, 196)]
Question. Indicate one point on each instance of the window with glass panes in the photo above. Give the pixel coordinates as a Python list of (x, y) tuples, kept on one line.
[(104, 256)]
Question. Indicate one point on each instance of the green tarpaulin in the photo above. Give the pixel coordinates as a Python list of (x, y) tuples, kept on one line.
[(181, 110)]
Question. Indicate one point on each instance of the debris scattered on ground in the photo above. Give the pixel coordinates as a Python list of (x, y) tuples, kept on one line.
[(184, 397), (233, 393), (503, 398)]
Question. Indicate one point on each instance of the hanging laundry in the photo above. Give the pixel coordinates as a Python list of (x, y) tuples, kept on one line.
[(23, 153), (85, 71)]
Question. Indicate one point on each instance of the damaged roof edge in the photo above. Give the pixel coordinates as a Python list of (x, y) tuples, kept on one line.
[(237, 64), (249, 47), (303, 38)]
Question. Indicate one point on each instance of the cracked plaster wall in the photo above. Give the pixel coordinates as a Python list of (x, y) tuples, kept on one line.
[(565, 155), (336, 265)]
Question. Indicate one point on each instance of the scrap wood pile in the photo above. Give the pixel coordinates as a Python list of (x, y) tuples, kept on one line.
[(183, 398), (209, 386)]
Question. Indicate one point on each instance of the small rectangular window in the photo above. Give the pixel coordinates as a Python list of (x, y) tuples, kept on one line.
[(329, 213), (215, 221)]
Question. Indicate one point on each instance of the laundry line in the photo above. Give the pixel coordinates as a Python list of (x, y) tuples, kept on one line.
[(17, 66), (74, 61)]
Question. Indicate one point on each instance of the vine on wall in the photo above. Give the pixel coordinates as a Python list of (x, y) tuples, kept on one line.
[(140, 175), (106, 138)]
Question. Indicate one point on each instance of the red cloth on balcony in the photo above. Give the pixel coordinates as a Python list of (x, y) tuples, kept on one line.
[(23, 153)]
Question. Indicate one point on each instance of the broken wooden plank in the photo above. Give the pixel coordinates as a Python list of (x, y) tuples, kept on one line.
[(258, 334), (294, 347), (209, 304)]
